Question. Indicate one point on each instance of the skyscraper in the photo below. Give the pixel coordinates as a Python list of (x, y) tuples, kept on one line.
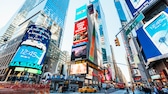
[(103, 37), (55, 9), (40, 21)]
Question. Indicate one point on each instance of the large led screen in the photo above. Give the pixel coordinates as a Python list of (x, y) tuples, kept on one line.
[(28, 56), (80, 32), (80, 68), (81, 12), (157, 30), (92, 46), (79, 52), (108, 74), (89, 75), (38, 33), (137, 6)]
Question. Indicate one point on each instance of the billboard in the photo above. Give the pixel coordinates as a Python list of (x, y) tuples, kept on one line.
[(38, 33), (156, 30), (89, 75), (108, 74), (28, 56), (33, 48), (92, 46), (81, 13), (90, 9), (80, 68), (137, 6), (80, 32), (79, 52), (152, 37)]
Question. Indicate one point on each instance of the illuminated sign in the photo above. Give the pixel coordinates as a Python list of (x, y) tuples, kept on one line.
[(92, 46), (38, 33), (137, 6), (35, 71), (89, 75), (80, 32), (81, 12), (80, 68), (90, 9), (156, 30), (27, 56), (79, 53)]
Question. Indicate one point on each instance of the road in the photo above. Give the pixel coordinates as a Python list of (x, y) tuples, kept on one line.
[(109, 91), (124, 92)]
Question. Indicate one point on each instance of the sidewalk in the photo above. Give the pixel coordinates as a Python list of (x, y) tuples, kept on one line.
[(137, 92)]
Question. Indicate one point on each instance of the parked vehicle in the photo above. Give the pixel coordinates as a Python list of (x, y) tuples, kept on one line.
[(87, 89)]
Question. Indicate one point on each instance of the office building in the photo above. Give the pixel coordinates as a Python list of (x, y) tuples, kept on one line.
[(151, 45), (40, 16)]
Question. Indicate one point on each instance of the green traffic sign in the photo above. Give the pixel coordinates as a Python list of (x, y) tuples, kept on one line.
[(139, 18)]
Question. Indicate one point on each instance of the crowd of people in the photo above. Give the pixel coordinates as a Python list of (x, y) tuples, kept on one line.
[(151, 89)]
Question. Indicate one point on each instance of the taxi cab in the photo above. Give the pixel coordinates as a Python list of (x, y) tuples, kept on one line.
[(87, 89)]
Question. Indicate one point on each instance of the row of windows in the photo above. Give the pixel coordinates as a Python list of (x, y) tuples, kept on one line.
[(4, 61), (9, 49), (2, 71)]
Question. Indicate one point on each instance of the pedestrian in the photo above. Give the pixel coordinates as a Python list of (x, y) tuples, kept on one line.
[(155, 90), (133, 89), (127, 90), (60, 89)]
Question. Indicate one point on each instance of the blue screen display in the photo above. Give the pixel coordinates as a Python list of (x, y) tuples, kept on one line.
[(28, 56)]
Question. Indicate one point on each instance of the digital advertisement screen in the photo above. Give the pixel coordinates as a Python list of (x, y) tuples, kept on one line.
[(108, 74), (79, 52), (156, 30), (104, 54), (137, 6), (81, 12), (38, 33), (137, 78), (30, 70), (80, 32), (80, 68), (89, 75), (28, 56), (92, 46)]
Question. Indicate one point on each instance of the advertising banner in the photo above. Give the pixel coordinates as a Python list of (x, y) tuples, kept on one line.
[(38, 33), (80, 32), (108, 74), (79, 53), (27, 56), (137, 6), (156, 30), (90, 9), (90, 73), (80, 68), (33, 48), (137, 79), (81, 13), (92, 46)]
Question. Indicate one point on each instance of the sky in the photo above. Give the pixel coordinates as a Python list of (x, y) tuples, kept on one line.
[(111, 18)]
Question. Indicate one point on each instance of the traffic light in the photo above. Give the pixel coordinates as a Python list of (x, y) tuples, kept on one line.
[(117, 42)]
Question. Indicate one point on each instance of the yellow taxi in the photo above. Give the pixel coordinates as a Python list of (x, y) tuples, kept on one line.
[(87, 89)]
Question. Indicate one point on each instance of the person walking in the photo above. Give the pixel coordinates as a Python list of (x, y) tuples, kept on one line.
[(60, 89), (133, 89), (127, 90), (155, 90)]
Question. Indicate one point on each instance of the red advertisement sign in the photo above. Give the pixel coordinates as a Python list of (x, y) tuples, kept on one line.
[(80, 32)]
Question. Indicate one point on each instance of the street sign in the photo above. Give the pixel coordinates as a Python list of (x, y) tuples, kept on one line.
[(139, 18)]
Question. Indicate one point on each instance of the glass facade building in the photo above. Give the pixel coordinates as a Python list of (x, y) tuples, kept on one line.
[(49, 14), (55, 9)]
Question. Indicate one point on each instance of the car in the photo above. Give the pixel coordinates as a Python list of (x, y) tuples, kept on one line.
[(87, 89)]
